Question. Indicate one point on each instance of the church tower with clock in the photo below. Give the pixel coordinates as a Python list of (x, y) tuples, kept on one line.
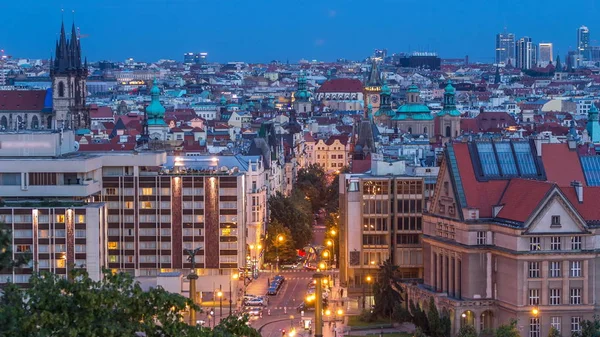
[(155, 116), (372, 88)]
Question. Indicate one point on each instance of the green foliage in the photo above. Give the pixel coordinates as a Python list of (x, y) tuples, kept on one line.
[(386, 290), (419, 317), (312, 182), (401, 314), (467, 330), (589, 328), (435, 322), (553, 332), (419, 333), (6, 253), (285, 249), (366, 316), (294, 213), (508, 330), (115, 306)]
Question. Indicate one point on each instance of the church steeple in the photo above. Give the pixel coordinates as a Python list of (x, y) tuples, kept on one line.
[(374, 79), (593, 126), (68, 52)]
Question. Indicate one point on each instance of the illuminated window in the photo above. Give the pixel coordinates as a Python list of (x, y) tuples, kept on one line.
[(81, 218), (60, 218), (113, 258), (225, 231), (61, 263), (129, 204), (146, 204), (147, 191), (113, 245)]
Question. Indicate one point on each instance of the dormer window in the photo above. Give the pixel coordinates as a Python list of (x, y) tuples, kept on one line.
[(555, 221)]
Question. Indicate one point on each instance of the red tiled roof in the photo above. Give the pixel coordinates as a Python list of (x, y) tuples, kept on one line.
[(480, 195), (561, 165), (308, 137), (521, 198), (342, 85), (22, 100), (100, 112), (342, 138), (588, 209)]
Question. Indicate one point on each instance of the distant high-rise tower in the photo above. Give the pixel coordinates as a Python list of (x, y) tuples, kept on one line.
[(526, 53), (69, 91), (545, 55), (583, 41), (505, 48)]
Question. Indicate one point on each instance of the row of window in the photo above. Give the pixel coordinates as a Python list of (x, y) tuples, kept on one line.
[(42, 218), (333, 156), (165, 191), (555, 296), (58, 263), (556, 243), (555, 269), (556, 322), (46, 233)]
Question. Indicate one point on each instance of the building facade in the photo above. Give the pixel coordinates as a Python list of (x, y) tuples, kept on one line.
[(381, 217), (505, 48), (510, 235)]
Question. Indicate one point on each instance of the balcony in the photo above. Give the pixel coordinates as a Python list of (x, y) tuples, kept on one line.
[(81, 189)]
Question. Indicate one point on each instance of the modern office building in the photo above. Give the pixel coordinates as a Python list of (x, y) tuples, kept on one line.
[(50, 198), (510, 234), (381, 216), (505, 48), (526, 53), (545, 54), (583, 41)]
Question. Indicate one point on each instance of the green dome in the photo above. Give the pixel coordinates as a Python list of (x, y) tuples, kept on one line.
[(449, 88), (223, 100), (413, 116), (385, 90), (414, 108), (413, 88), (301, 94), (155, 112)]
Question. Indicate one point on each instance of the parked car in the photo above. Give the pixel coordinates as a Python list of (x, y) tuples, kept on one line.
[(272, 290)]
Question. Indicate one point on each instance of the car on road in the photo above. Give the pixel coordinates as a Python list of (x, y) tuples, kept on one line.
[(272, 291), (255, 302)]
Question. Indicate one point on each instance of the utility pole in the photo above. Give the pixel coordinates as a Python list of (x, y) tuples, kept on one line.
[(318, 304)]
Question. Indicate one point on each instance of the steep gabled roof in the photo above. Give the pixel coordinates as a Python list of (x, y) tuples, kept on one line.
[(522, 197)]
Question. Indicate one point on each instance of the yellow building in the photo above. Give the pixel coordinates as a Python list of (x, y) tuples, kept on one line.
[(332, 153)]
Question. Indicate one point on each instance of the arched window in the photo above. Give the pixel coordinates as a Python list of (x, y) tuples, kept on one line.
[(35, 124), (49, 122), (61, 89), (3, 122), (425, 130), (448, 132), (410, 130)]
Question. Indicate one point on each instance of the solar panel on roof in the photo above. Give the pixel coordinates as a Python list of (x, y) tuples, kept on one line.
[(506, 159), (525, 159), (591, 169), (487, 159)]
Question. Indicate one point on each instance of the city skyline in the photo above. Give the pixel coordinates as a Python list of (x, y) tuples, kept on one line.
[(235, 31)]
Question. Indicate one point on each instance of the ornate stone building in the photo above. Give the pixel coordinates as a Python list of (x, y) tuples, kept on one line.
[(449, 117), (63, 105), (413, 117)]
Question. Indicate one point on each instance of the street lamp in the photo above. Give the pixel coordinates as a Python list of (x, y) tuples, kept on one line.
[(280, 239), (220, 296), (368, 280), (331, 243), (233, 277)]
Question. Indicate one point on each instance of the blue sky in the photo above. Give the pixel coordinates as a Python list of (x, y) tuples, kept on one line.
[(263, 30)]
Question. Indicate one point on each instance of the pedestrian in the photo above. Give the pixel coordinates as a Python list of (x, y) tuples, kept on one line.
[(285, 310), (341, 292), (268, 282), (269, 312)]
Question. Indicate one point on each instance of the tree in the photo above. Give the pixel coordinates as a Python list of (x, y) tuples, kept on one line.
[(419, 316), (114, 306), (467, 330), (294, 213), (283, 248), (433, 316), (589, 328), (311, 180), (553, 332), (6, 253), (419, 333), (508, 330), (387, 289)]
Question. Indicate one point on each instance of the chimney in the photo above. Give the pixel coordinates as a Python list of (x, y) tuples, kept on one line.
[(578, 190)]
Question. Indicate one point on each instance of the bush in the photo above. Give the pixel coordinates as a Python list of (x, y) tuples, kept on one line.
[(366, 316)]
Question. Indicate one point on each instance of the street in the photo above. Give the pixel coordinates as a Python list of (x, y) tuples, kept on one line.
[(284, 305)]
